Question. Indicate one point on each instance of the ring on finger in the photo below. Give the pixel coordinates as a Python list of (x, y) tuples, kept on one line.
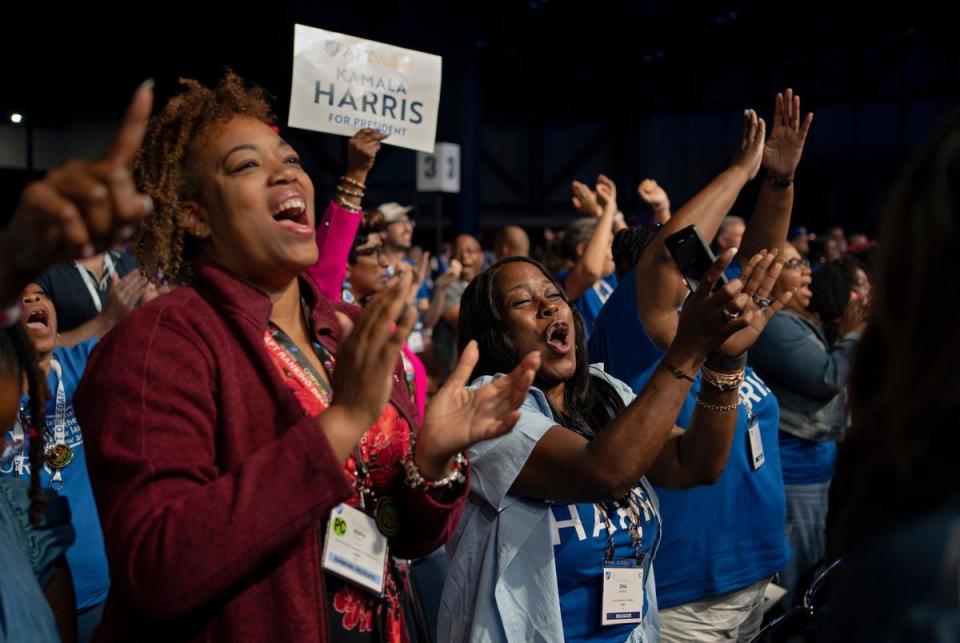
[(762, 302), (730, 314)]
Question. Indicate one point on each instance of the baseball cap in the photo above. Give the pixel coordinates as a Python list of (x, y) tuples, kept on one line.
[(393, 212)]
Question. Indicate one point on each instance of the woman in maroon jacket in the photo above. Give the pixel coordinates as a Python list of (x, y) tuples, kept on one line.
[(230, 418)]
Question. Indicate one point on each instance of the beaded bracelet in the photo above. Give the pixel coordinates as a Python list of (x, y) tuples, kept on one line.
[(346, 205), (718, 408), (415, 479), (355, 183), (349, 192)]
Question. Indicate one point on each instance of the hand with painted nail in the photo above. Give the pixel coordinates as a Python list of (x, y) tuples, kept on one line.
[(730, 318), (79, 208)]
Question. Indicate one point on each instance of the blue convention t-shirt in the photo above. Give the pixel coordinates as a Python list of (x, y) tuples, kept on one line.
[(806, 461), (717, 538), (87, 557), (580, 540), (590, 302)]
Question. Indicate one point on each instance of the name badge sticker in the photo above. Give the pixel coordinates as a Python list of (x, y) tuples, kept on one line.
[(622, 600), (756, 445), (354, 549)]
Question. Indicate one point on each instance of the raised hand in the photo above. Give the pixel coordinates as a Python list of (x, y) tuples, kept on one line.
[(362, 150), (653, 195), (758, 278), (854, 315), (82, 207), (606, 194), (457, 418), (585, 200), (710, 316), (363, 377), (125, 294), (750, 154), (782, 151)]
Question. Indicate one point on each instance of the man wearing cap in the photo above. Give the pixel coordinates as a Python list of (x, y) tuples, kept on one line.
[(800, 239), (398, 236)]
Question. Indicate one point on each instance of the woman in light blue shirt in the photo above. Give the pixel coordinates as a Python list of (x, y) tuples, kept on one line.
[(561, 528)]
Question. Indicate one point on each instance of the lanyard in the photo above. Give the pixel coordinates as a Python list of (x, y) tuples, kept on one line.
[(59, 454), (634, 522), (751, 416), (300, 368), (297, 364), (634, 527), (93, 287)]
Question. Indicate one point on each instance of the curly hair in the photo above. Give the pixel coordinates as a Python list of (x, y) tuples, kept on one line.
[(831, 287), (18, 360), (163, 168)]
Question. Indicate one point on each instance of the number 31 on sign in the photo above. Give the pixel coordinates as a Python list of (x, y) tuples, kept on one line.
[(440, 171)]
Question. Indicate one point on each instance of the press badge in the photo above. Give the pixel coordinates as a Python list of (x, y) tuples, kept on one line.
[(756, 445), (354, 548), (622, 600)]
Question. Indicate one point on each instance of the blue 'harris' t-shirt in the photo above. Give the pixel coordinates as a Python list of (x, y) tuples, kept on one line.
[(590, 302), (716, 538), (580, 541), (87, 557)]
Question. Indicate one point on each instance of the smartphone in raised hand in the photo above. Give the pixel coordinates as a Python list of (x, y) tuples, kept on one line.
[(692, 256)]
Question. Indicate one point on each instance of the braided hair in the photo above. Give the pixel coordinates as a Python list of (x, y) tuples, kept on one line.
[(628, 246), (18, 361)]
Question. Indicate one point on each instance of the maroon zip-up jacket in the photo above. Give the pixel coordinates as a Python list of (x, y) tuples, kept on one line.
[(210, 481)]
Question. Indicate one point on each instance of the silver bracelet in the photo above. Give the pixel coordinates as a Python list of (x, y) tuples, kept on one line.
[(415, 479)]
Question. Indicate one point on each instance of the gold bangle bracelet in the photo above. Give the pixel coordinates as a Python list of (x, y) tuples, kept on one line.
[(349, 192), (355, 183)]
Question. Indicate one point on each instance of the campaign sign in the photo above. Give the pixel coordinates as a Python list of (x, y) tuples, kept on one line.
[(343, 83)]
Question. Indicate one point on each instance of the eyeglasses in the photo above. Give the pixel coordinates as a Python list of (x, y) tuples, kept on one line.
[(379, 251), (796, 262)]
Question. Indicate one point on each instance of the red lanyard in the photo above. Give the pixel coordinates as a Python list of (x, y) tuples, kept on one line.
[(308, 380)]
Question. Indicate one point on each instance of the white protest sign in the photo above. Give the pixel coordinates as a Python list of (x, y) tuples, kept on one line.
[(439, 171), (343, 83)]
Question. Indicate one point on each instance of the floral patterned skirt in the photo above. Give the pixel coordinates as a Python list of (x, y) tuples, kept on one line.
[(357, 616)]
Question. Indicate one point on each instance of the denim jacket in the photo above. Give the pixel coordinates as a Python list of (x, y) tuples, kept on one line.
[(808, 376)]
